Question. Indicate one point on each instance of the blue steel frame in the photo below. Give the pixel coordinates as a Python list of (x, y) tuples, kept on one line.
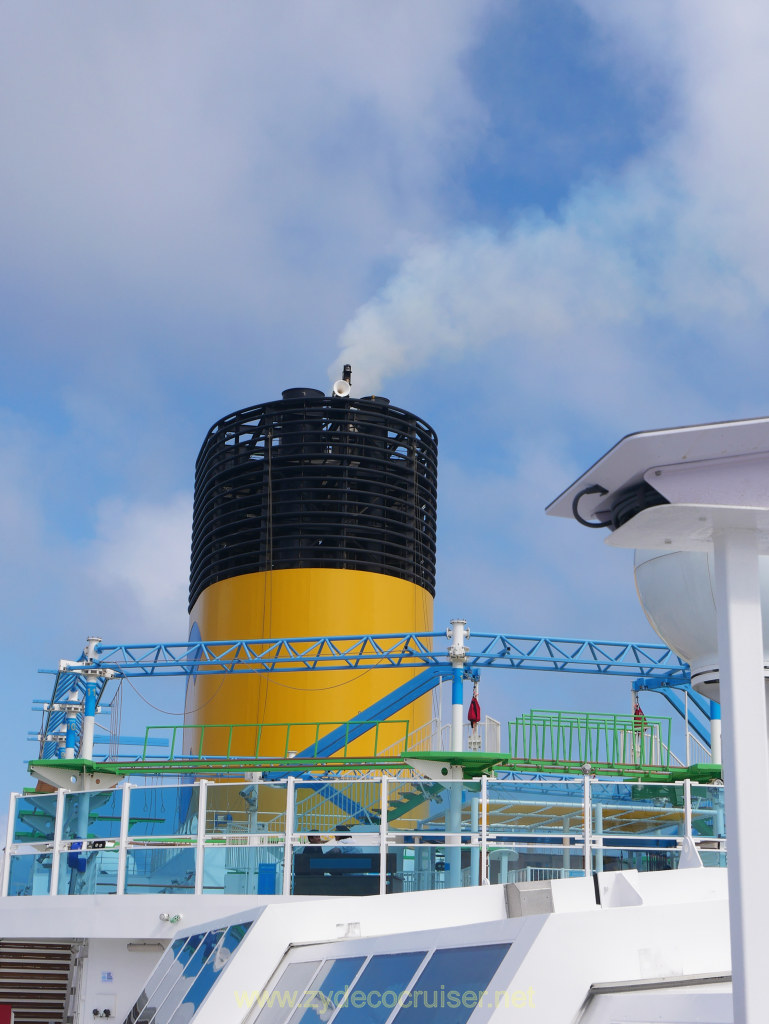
[(414, 650), (650, 664)]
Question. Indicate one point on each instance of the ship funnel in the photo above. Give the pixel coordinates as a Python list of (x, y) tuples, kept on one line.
[(312, 517)]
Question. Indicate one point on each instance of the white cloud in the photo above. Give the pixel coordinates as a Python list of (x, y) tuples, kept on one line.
[(138, 567), (609, 295), (232, 160)]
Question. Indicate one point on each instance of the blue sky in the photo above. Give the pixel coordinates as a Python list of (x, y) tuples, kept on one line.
[(538, 224)]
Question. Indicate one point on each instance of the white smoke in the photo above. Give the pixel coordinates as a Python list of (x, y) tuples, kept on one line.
[(631, 269)]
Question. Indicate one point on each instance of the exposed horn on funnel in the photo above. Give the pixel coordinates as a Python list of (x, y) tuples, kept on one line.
[(342, 387)]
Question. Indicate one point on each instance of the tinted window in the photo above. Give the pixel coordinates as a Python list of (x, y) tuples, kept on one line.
[(377, 990), (288, 993), (210, 973), (449, 988), (327, 990)]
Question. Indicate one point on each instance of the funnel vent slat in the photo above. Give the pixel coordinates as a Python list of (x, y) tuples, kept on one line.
[(312, 481)]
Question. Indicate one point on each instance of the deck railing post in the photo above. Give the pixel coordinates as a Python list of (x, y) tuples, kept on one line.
[(57, 824), (484, 830), (383, 836), (587, 816), (8, 843), (122, 852), (288, 845), (688, 808), (200, 842)]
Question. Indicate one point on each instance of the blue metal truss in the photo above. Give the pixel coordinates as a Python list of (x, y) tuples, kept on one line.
[(54, 715), (413, 650), (652, 665)]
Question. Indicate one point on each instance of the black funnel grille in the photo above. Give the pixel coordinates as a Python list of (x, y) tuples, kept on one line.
[(316, 482)]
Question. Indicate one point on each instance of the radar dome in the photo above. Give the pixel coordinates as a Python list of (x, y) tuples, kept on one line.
[(677, 593)]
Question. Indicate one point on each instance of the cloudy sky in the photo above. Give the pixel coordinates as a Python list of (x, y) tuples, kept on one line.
[(539, 224)]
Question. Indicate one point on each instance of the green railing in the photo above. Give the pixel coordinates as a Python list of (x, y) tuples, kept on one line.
[(563, 737), (264, 732)]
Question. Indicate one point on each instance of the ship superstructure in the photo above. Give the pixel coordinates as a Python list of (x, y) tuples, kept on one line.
[(313, 842)]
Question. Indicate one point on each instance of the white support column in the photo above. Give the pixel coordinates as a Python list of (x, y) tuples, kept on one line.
[(288, 845), (57, 824), (475, 850), (200, 843), (122, 853), (686, 727), (715, 732), (484, 830), (598, 831), (587, 826), (457, 633), (383, 837), (688, 808), (453, 838), (8, 843), (746, 764), (566, 862)]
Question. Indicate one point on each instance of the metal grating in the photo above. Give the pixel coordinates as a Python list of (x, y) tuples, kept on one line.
[(36, 979), (316, 482)]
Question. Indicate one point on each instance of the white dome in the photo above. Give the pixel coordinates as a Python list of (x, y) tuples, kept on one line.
[(677, 593)]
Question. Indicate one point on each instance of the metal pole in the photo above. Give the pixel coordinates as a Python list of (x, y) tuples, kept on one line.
[(454, 839), (566, 862), (688, 808), (475, 850), (9, 832), (457, 739), (484, 830), (200, 842), (715, 732), (288, 847), (587, 826), (89, 715), (57, 823), (383, 837), (598, 831), (122, 853), (457, 632), (746, 763), (71, 726), (686, 726)]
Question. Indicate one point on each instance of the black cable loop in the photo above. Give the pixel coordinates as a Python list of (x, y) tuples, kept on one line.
[(593, 489)]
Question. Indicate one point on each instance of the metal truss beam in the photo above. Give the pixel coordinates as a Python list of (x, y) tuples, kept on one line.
[(413, 650), (650, 664)]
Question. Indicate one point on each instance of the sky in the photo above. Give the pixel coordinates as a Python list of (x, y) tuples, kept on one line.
[(538, 224)]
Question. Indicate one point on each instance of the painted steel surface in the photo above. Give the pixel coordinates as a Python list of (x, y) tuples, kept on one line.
[(309, 602)]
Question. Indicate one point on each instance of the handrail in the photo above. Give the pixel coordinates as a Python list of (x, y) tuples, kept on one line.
[(311, 750), (569, 736)]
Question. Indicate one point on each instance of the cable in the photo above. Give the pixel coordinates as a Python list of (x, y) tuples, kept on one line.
[(175, 714), (594, 489), (320, 689)]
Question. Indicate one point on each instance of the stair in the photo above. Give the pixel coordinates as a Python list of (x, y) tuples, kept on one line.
[(36, 979)]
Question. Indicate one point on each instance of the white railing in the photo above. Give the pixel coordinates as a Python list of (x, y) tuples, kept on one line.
[(539, 874), (423, 738), (466, 826), (697, 752), (489, 731)]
